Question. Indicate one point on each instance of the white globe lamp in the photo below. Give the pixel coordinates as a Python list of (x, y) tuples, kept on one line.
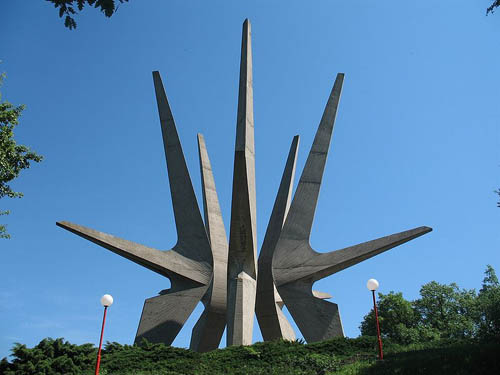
[(106, 300), (372, 284)]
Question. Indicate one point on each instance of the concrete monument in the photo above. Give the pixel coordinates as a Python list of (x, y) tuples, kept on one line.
[(242, 264), (296, 266), (225, 276)]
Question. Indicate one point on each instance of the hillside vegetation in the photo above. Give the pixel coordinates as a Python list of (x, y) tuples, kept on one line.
[(337, 356), (447, 330)]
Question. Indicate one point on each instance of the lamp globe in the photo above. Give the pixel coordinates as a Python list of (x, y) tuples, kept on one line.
[(372, 284), (106, 300)]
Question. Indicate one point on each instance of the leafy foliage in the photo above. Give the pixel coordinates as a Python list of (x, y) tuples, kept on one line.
[(337, 356), (67, 8), (148, 357), (50, 357), (13, 157), (109, 7), (442, 311), (399, 320), (493, 6), (276, 357), (489, 306), (448, 310)]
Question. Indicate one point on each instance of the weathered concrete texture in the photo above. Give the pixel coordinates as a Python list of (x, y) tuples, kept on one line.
[(207, 332), (296, 266), (189, 264), (192, 238), (216, 231), (242, 270), (273, 323), (170, 264), (163, 316), (316, 293)]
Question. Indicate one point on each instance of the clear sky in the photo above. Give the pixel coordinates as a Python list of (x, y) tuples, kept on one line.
[(415, 143)]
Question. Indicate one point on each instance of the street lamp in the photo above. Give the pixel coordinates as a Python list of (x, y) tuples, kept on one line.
[(106, 301), (372, 285)]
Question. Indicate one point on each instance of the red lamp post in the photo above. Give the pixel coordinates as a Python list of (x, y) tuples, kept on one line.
[(372, 285), (106, 301)]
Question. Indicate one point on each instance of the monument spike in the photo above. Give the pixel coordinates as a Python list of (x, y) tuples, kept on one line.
[(242, 267), (273, 323), (163, 316), (192, 239), (214, 223), (296, 266), (321, 265), (189, 265), (304, 203), (208, 331), (166, 263)]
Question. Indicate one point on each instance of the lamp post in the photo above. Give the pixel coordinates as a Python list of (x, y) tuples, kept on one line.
[(106, 301), (372, 285)]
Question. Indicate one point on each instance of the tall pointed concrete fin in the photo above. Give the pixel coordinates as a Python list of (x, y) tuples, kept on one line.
[(321, 265), (280, 208), (213, 216), (293, 244), (273, 323), (167, 263), (192, 238), (242, 267), (304, 203), (244, 122), (207, 332)]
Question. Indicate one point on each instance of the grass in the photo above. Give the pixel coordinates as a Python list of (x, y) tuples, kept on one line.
[(457, 358)]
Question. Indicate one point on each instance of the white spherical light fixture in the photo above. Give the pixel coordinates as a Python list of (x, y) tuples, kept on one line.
[(106, 300), (372, 284)]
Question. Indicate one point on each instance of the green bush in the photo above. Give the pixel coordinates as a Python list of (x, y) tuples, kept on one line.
[(337, 356), (49, 357)]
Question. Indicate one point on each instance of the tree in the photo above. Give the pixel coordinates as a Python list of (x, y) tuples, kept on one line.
[(447, 309), (67, 8), (13, 157), (442, 311), (393, 310), (399, 321), (493, 6), (489, 305)]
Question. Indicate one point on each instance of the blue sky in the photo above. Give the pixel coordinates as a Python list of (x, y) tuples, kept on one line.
[(415, 143)]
